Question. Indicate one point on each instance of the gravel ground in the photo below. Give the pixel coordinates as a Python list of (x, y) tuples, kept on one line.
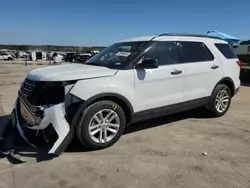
[(165, 152)]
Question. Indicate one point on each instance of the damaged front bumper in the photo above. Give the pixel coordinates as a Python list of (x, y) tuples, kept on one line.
[(44, 127)]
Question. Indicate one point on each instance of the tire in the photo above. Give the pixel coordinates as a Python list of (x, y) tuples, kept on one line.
[(213, 107), (10, 59), (88, 119)]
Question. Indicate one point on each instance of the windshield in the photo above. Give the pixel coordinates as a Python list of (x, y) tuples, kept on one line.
[(118, 55)]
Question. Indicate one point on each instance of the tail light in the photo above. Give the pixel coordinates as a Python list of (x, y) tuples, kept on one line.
[(239, 63)]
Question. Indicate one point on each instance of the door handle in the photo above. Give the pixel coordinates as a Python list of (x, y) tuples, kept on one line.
[(175, 72), (215, 67)]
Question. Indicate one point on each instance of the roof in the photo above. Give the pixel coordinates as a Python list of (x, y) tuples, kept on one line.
[(155, 37), (144, 38), (187, 35)]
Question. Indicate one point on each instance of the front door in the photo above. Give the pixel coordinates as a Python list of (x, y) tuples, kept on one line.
[(161, 86)]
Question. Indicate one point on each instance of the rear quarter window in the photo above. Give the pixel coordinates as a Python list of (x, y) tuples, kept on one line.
[(226, 50)]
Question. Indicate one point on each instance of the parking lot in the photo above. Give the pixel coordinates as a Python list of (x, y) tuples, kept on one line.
[(183, 150)]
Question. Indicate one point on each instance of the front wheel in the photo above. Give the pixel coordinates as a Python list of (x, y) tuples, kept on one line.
[(101, 125), (220, 100)]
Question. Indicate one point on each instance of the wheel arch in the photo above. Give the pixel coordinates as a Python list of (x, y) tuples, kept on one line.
[(117, 98), (228, 82)]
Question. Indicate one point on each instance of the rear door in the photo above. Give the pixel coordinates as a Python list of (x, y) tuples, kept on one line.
[(162, 86), (203, 70)]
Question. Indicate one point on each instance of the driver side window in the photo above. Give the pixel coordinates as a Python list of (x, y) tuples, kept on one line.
[(166, 52)]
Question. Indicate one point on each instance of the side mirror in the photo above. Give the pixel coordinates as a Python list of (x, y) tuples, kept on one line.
[(148, 64)]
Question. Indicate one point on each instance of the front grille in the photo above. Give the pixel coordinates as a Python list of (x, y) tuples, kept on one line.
[(28, 87), (47, 93), (42, 93)]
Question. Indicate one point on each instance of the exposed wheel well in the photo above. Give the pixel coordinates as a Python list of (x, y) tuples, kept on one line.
[(229, 84), (120, 102)]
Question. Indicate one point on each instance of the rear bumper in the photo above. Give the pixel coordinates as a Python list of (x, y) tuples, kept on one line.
[(53, 133)]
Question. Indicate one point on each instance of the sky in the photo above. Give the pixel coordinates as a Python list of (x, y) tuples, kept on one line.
[(103, 22)]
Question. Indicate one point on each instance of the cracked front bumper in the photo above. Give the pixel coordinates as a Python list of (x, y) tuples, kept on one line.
[(51, 134)]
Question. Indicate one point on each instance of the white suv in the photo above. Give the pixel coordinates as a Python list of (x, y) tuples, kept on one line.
[(130, 81), (6, 56)]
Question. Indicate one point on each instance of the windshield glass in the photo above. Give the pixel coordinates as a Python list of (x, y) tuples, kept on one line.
[(118, 55)]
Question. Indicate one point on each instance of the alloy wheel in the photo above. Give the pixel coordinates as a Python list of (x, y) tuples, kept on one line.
[(104, 126), (222, 101)]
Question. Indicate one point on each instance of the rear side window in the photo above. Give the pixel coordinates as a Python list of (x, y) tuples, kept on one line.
[(194, 52), (226, 50)]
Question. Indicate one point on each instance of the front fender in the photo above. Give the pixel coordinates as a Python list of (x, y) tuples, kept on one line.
[(88, 90)]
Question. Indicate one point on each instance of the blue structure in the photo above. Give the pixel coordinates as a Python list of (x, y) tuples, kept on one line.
[(226, 37)]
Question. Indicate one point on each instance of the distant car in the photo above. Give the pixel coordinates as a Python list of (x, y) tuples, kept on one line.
[(243, 48), (57, 58), (24, 55), (82, 58), (243, 52), (57, 55), (6, 56), (94, 52), (70, 57), (63, 55)]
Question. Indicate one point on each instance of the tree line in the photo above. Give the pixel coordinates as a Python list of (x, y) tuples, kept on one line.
[(50, 48)]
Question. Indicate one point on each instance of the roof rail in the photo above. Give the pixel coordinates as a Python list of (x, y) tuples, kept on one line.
[(187, 35)]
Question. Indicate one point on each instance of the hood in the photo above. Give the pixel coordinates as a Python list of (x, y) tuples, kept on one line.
[(69, 72)]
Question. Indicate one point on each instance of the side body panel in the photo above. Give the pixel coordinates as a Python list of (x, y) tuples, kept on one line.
[(158, 87), (163, 86), (230, 68), (201, 77), (122, 83)]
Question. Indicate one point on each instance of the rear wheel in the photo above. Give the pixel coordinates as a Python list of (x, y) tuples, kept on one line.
[(101, 125), (220, 100)]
